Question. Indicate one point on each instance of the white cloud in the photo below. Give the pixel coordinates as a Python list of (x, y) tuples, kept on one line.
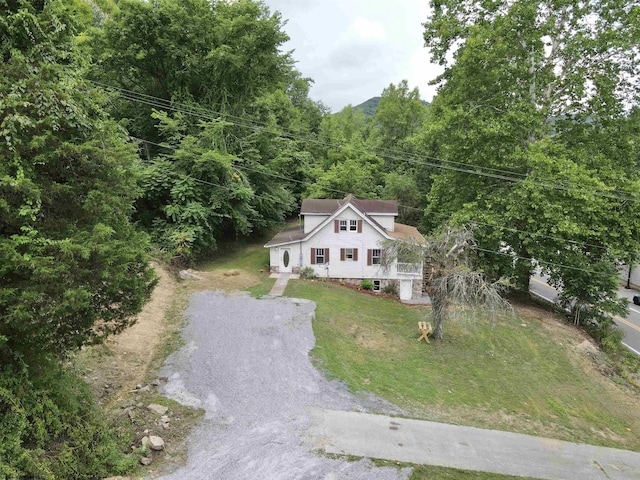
[(354, 49), (368, 29)]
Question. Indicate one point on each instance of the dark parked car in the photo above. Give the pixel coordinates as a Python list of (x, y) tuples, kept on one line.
[(636, 299)]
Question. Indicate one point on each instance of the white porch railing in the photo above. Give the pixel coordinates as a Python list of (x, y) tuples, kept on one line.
[(409, 268)]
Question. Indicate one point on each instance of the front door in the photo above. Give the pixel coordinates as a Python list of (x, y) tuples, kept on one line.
[(285, 260)]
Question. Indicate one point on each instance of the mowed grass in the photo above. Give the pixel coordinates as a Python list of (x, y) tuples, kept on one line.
[(528, 373)]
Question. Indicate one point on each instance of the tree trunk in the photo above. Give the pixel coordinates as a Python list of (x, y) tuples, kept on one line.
[(523, 270), (438, 312)]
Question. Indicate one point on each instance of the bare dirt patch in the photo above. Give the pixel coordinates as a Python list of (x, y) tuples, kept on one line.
[(118, 374), (226, 280), (116, 367), (373, 339)]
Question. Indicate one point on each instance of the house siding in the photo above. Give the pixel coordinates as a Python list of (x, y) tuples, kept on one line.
[(364, 238), (327, 238), (387, 221), (312, 221)]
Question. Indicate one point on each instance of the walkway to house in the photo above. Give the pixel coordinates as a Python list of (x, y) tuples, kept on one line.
[(469, 448), (423, 300), (281, 283)]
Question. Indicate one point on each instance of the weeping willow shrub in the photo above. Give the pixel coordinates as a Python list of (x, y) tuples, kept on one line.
[(446, 255)]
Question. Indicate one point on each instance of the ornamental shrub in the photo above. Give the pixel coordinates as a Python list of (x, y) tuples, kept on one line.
[(366, 285)]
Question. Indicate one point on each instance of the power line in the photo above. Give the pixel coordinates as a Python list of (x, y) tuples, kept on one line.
[(534, 260), (511, 255), (441, 215), (394, 155)]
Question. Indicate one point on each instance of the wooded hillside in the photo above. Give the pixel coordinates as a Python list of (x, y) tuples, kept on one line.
[(131, 126)]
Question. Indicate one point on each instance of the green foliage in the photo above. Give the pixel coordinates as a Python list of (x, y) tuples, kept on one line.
[(366, 285), (227, 57), (552, 133), (367, 155), (602, 327), (368, 107), (391, 288), (507, 376), (199, 193), (50, 428), (215, 177), (307, 273), (399, 115), (74, 268)]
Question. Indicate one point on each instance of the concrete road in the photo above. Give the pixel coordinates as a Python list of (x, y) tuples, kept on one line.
[(629, 325), (420, 442)]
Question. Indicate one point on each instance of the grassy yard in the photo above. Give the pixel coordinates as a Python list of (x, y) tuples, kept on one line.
[(528, 374)]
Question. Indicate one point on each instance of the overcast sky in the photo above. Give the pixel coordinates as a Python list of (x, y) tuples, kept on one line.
[(353, 49)]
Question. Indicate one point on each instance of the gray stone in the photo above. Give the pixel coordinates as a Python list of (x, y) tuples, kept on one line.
[(159, 409), (187, 275), (156, 443), (145, 461)]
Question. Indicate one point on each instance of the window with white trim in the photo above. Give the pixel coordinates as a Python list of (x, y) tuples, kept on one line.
[(320, 255), (376, 285), (376, 256), (353, 225), (348, 253), (343, 225)]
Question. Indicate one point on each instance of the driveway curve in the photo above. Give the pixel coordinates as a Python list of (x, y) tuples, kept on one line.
[(245, 362)]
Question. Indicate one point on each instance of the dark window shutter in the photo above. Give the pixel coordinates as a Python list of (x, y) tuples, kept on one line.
[(359, 226), (369, 256), (313, 256), (336, 226), (342, 254), (326, 255), (355, 254)]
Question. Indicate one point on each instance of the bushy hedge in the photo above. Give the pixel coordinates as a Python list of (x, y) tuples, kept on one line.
[(50, 428)]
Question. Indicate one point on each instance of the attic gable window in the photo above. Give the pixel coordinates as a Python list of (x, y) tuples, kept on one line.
[(343, 225), (353, 225)]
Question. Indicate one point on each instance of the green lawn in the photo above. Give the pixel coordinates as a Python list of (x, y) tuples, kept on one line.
[(523, 374)]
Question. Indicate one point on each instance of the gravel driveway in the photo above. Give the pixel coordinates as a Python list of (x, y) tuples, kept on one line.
[(245, 361)]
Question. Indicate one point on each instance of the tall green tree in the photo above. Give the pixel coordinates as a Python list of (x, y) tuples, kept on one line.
[(220, 56), (527, 88), (73, 267), (209, 80), (199, 192), (399, 116)]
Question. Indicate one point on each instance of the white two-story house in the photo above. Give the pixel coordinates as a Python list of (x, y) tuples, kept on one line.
[(343, 239)]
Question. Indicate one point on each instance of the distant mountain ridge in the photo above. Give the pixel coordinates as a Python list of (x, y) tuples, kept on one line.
[(370, 106)]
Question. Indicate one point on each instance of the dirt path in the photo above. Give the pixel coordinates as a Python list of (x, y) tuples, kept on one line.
[(115, 368), (135, 347)]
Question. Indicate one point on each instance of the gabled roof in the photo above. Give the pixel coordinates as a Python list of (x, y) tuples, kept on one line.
[(288, 235), (331, 208), (321, 206)]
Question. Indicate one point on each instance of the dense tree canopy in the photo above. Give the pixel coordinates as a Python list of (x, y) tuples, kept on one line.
[(530, 91), (232, 114), (73, 267)]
